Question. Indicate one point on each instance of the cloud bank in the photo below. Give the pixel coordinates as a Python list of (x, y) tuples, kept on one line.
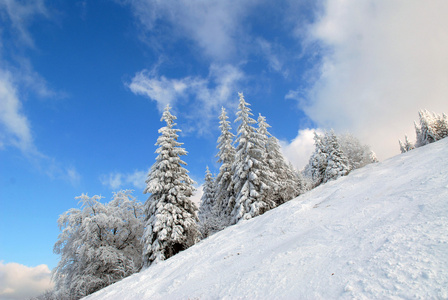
[(382, 61), (21, 282)]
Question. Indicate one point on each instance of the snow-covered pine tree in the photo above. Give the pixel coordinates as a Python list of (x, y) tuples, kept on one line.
[(170, 223), (424, 130), (328, 162), (99, 245), (225, 198), (317, 164), (337, 162), (432, 128), (358, 155), (287, 183), (406, 146), (209, 221), (251, 178)]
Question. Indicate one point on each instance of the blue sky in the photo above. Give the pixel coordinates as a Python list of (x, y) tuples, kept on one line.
[(82, 85)]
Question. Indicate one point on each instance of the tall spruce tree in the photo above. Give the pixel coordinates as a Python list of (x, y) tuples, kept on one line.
[(251, 179), (288, 184), (170, 214), (225, 198)]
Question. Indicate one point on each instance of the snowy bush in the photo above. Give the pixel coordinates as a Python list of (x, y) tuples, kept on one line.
[(99, 244)]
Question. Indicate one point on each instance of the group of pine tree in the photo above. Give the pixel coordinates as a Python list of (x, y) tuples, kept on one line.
[(101, 243)]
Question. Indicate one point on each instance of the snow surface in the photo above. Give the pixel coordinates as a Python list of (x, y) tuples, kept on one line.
[(381, 232)]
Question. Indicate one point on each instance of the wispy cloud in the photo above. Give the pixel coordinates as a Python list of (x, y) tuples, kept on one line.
[(19, 14), (15, 129), (18, 78), (22, 282), (117, 180), (382, 61), (204, 96), (214, 25)]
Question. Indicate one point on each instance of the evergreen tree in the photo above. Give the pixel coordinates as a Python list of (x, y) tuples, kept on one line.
[(225, 198), (209, 221), (170, 224), (328, 162), (432, 128), (251, 180), (99, 245), (287, 183), (358, 155), (317, 164), (337, 162)]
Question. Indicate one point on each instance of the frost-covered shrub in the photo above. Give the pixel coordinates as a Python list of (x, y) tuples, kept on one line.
[(99, 244)]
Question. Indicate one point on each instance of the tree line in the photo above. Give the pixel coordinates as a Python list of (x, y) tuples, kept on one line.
[(101, 243)]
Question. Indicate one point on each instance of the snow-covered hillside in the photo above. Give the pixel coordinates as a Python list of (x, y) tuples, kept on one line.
[(381, 232)]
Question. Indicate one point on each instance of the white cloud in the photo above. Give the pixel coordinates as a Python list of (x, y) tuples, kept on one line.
[(214, 25), (383, 61), (15, 128), (271, 56), (197, 195), (73, 176), (21, 282), (205, 96), (299, 150), (160, 89), (117, 180)]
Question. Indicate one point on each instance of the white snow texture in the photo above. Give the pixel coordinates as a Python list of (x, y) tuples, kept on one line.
[(379, 233)]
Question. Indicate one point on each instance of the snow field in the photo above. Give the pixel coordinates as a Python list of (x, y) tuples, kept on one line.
[(379, 233)]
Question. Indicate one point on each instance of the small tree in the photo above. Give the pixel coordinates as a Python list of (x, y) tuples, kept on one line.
[(209, 221), (406, 146), (99, 244), (170, 223)]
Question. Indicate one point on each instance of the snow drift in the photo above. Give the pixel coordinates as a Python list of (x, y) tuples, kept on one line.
[(381, 232)]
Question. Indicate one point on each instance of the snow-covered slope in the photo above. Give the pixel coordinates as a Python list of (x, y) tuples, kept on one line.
[(381, 232)]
